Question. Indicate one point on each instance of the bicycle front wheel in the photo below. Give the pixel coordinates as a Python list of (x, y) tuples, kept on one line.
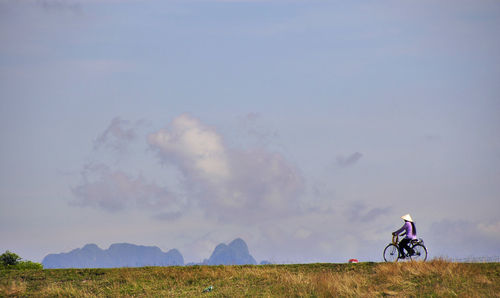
[(420, 253), (391, 253)]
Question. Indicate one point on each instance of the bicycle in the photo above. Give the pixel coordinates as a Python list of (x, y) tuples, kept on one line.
[(391, 251)]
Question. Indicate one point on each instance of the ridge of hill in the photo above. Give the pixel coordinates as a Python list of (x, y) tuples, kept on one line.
[(117, 255), (131, 255)]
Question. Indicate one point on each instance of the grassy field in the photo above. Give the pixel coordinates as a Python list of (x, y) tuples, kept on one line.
[(434, 278)]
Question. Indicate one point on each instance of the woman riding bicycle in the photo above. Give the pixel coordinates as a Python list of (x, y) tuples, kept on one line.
[(410, 234)]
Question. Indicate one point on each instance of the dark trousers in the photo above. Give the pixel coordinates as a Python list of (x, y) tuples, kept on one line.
[(403, 244)]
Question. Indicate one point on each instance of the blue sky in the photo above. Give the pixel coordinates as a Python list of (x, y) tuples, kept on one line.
[(306, 128)]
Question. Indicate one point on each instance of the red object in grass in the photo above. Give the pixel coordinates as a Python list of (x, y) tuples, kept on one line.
[(353, 261)]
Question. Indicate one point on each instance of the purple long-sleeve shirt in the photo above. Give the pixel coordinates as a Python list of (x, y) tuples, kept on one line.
[(407, 227)]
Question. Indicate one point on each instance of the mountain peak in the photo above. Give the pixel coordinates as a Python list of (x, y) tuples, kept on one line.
[(239, 245), (91, 247), (236, 253)]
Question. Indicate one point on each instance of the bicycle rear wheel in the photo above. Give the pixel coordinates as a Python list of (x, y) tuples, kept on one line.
[(420, 253), (391, 253)]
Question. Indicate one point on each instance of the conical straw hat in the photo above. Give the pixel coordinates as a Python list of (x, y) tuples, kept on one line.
[(407, 217)]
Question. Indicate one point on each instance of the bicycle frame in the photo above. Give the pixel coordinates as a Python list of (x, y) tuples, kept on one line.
[(395, 240)]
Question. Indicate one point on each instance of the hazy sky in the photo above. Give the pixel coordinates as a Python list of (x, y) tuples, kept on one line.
[(307, 128)]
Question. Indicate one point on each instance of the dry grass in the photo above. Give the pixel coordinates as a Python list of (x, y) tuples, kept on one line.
[(13, 288), (435, 278), (339, 285)]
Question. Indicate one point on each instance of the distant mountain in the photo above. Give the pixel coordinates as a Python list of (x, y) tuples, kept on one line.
[(117, 255), (130, 255), (236, 253)]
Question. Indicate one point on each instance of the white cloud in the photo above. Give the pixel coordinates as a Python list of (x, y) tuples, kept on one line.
[(114, 190), (229, 183), (232, 185), (196, 149)]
